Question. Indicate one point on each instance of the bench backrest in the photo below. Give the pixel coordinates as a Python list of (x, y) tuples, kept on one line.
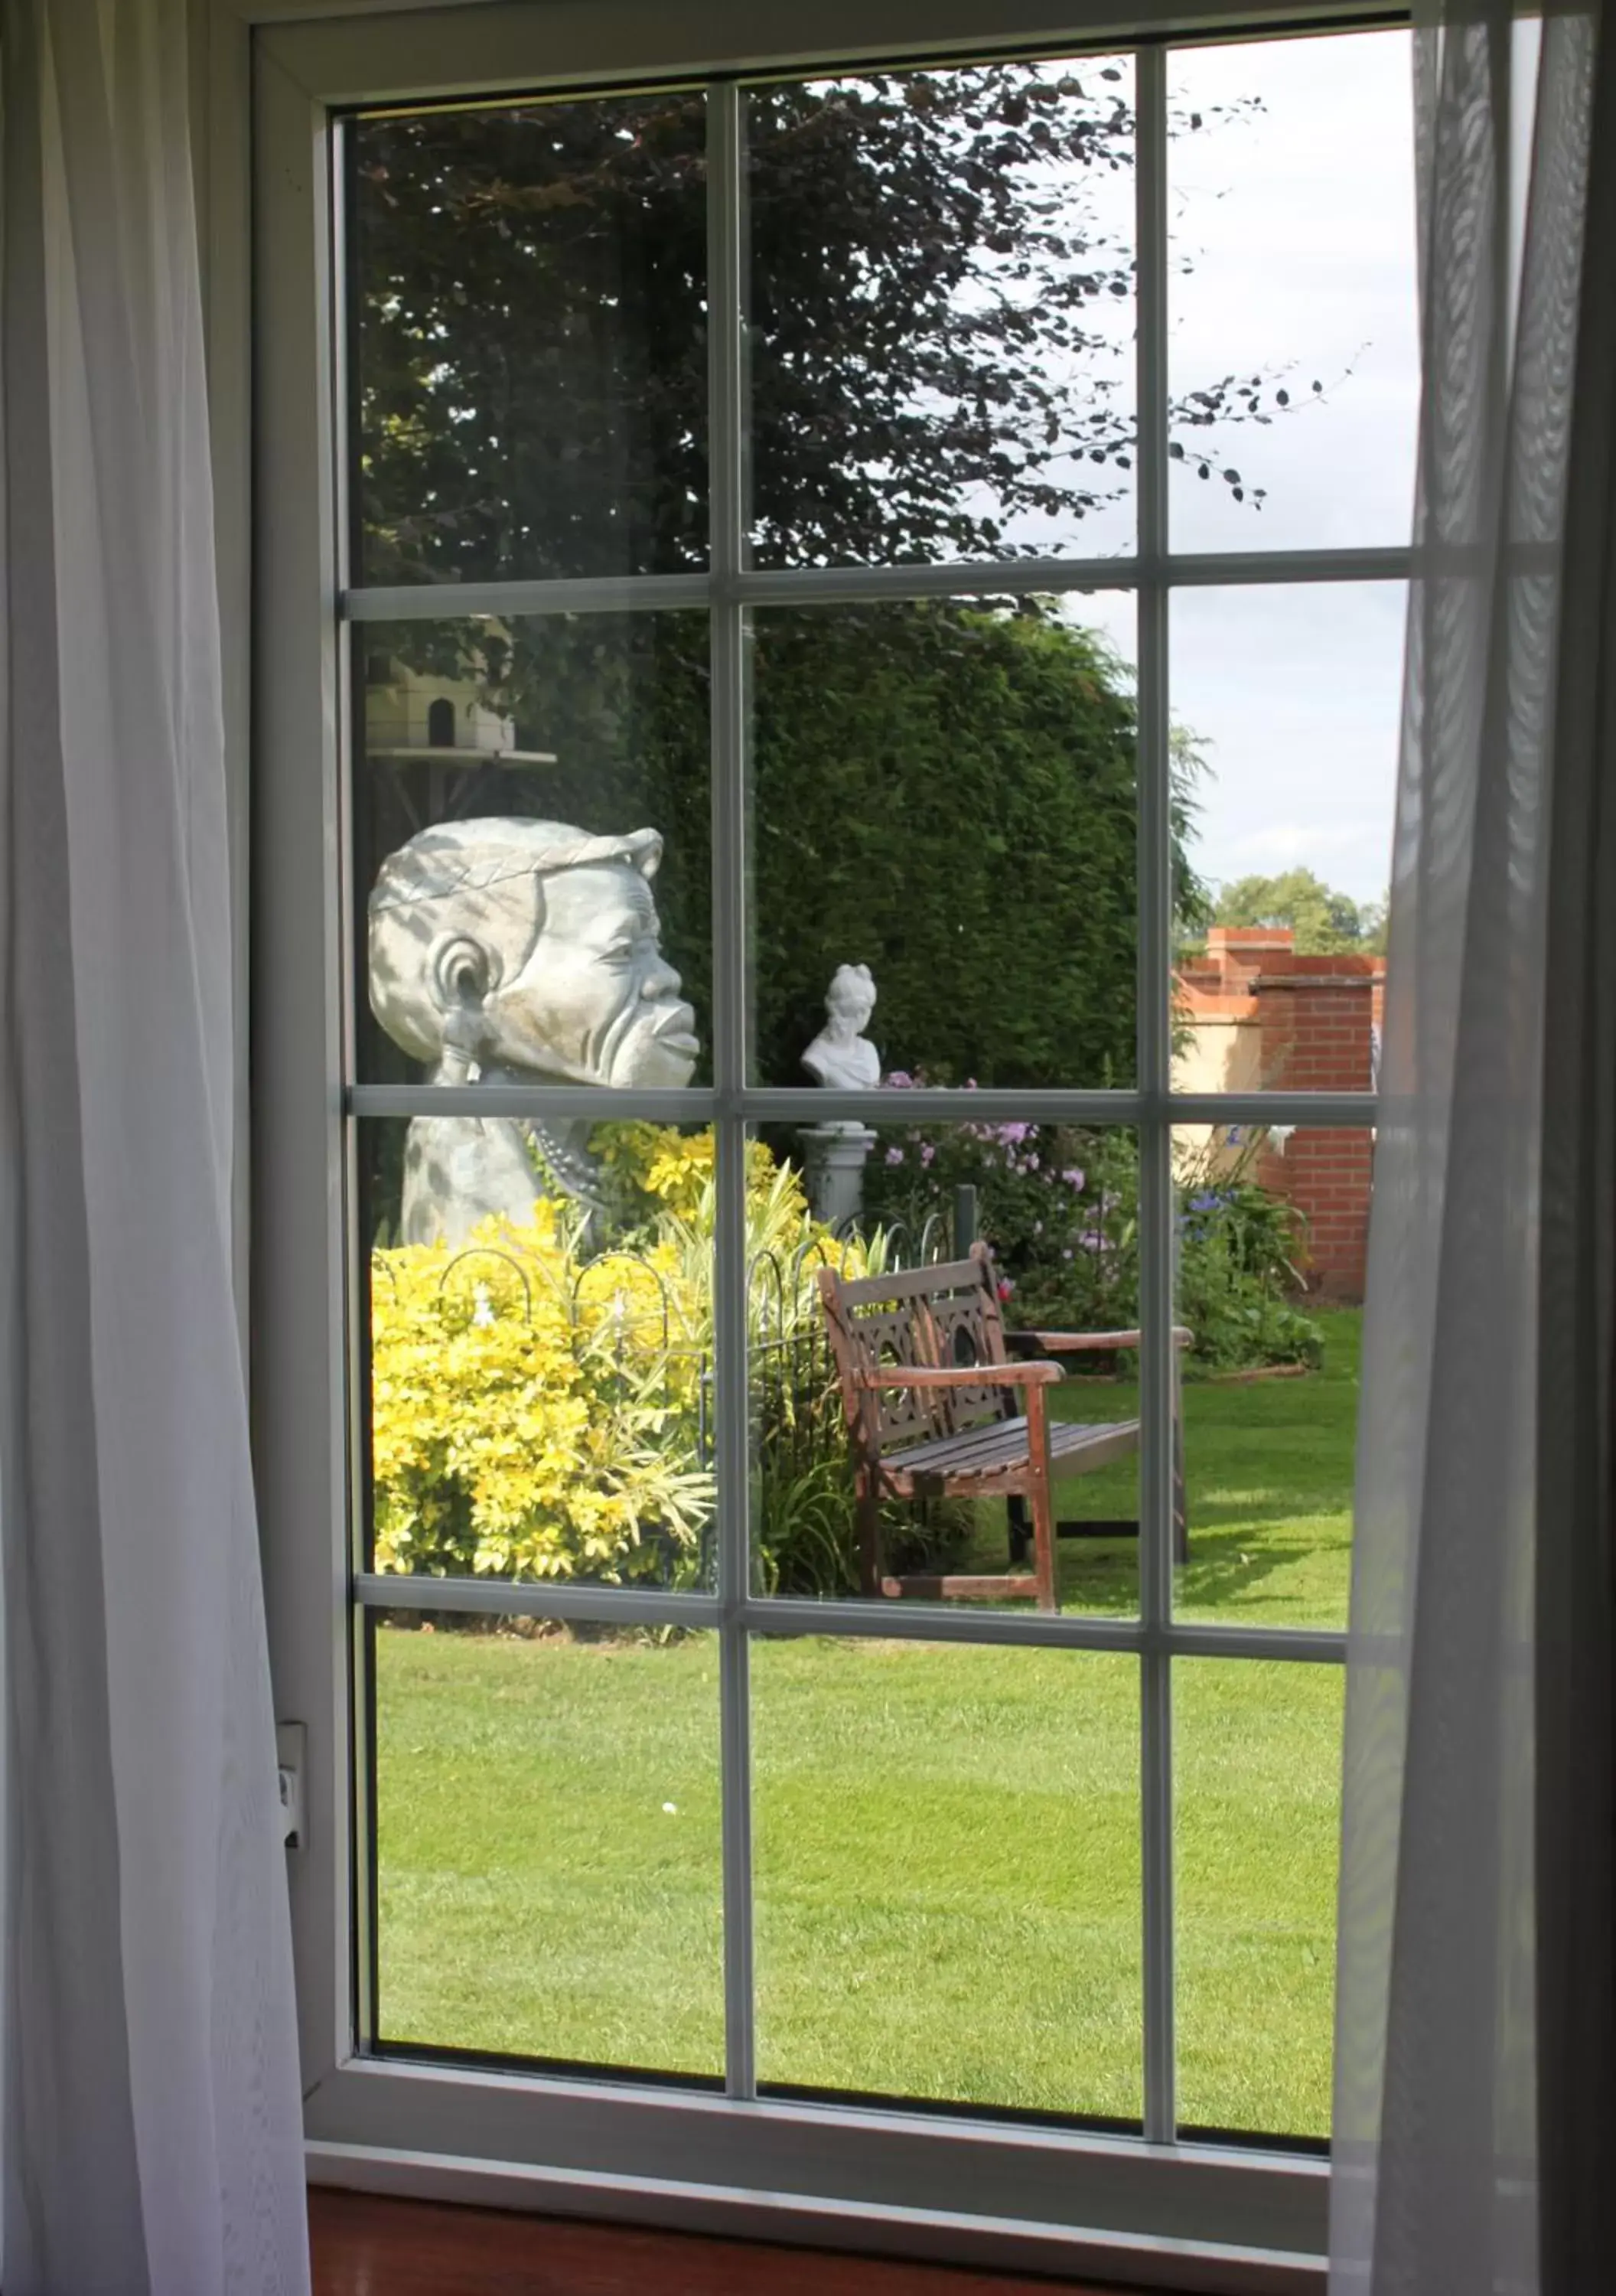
[(920, 1316)]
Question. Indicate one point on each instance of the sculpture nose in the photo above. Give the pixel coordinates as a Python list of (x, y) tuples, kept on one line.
[(660, 979)]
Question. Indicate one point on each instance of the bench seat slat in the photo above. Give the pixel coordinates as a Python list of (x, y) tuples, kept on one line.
[(1005, 1440)]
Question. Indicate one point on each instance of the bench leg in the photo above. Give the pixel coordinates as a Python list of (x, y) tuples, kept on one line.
[(1043, 1544), (1042, 1492), (868, 1520)]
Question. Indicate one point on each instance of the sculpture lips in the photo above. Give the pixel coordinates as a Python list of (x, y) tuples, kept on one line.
[(677, 1029)]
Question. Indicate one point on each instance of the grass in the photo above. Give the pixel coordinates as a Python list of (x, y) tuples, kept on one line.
[(945, 1838)]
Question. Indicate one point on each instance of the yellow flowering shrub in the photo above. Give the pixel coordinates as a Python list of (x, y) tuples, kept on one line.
[(659, 1170), (536, 1412)]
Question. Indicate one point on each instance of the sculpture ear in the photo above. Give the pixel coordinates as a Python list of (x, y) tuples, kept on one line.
[(462, 973)]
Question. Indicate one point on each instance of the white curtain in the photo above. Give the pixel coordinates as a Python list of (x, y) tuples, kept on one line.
[(151, 2135), (1475, 2139)]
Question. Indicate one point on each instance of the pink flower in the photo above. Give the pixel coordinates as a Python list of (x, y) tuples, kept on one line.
[(894, 1155), (1072, 1176), (927, 1151), (1005, 1287)]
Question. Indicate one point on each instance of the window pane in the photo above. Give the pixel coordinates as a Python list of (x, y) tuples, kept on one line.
[(527, 297), (942, 315), (547, 1843), (1272, 1232), (532, 834), (538, 1402), (946, 1853), (1056, 1207), (944, 793), (1293, 358), (1287, 703), (1257, 1769)]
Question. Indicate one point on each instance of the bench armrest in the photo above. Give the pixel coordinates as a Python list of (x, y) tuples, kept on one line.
[(1072, 1344), (1014, 1374)]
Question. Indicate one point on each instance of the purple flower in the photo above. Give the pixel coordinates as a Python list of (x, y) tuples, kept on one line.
[(900, 1078), (1208, 1202), (927, 1151), (1233, 1136), (1073, 1175), (894, 1155)]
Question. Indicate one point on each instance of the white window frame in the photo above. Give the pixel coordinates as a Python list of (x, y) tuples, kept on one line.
[(1155, 2209)]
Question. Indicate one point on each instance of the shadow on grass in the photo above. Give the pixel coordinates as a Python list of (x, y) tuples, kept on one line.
[(1268, 1473)]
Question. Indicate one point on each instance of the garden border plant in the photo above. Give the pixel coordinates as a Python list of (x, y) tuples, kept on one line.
[(1059, 1204)]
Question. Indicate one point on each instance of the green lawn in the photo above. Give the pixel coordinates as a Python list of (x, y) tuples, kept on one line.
[(945, 1838)]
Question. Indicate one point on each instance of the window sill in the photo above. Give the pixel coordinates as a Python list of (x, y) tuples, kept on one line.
[(1067, 2204)]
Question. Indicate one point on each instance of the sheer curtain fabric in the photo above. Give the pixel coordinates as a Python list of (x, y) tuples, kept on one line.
[(152, 2132), (1475, 2047)]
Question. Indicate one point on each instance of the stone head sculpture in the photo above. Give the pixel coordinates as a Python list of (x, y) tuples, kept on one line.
[(510, 951), (529, 948), (851, 998)]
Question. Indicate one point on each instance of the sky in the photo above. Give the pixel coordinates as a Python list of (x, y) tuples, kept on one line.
[(1293, 248)]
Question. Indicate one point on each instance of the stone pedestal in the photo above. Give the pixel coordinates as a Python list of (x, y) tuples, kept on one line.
[(834, 1158)]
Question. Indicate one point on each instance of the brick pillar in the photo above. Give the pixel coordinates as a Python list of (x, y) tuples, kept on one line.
[(1317, 1014)]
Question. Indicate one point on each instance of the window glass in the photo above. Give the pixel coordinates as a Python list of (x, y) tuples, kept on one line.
[(1271, 1253), (547, 1842), (539, 1396), (531, 840), (1287, 705), (941, 314), (527, 299), (1054, 1209), (946, 1855), (1294, 358), (944, 793), (1257, 1765)]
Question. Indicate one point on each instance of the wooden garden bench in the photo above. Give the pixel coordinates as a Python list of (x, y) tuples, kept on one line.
[(937, 1408)]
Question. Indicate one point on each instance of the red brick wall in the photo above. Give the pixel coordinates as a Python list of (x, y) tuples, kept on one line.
[(1316, 1016), (1325, 1175)]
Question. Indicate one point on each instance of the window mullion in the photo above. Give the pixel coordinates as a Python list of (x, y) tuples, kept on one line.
[(1156, 1383), (726, 420)]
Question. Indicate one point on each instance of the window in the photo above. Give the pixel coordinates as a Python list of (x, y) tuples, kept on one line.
[(910, 555)]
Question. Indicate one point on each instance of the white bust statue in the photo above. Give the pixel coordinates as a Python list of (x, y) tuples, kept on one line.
[(519, 951), (842, 1056)]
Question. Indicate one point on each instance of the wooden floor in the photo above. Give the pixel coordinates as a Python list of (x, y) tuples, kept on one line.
[(368, 2247)]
